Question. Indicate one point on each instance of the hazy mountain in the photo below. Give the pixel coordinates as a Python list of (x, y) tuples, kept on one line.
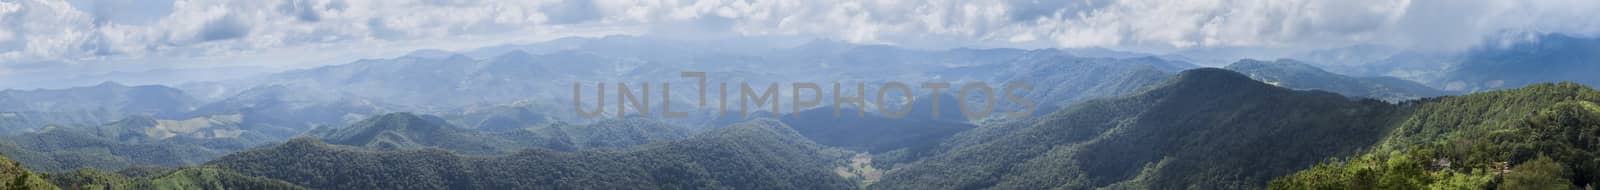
[(23, 110), (756, 155), (1059, 79), (1297, 75), (1204, 128), (154, 100), (284, 111)]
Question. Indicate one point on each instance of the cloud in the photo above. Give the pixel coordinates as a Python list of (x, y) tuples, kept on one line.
[(95, 29), (223, 28)]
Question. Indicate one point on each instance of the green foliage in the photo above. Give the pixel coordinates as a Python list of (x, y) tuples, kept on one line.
[(1547, 131), (1541, 173), (184, 178)]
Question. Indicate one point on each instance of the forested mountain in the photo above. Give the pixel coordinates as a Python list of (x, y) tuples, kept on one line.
[(1537, 137), (1298, 75), (1209, 128), (753, 155), (1204, 128)]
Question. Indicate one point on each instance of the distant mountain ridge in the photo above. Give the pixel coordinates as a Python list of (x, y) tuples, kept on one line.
[(1548, 58), (1298, 75)]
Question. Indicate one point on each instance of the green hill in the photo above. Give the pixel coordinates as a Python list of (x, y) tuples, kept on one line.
[(1544, 134), (1205, 128), (754, 155)]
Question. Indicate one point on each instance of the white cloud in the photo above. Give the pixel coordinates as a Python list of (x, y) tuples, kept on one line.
[(94, 29)]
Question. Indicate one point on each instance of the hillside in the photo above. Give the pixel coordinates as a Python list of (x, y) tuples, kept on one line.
[(1204, 128), (1540, 135), (183, 178), (14, 176), (752, 155)]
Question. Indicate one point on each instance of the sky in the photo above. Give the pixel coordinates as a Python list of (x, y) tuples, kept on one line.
[(39, 37)]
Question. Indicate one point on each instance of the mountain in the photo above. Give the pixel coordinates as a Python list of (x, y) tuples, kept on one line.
[(430, 81), (1547, 58), (1203, 128), (753, 155), (109, 96), (1299, 75), (1540, 135), (14, 176)]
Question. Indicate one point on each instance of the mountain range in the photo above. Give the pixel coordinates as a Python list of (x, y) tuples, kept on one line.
[(501, 117)]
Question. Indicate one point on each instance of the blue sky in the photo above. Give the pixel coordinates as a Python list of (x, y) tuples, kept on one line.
[(113, 35)]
